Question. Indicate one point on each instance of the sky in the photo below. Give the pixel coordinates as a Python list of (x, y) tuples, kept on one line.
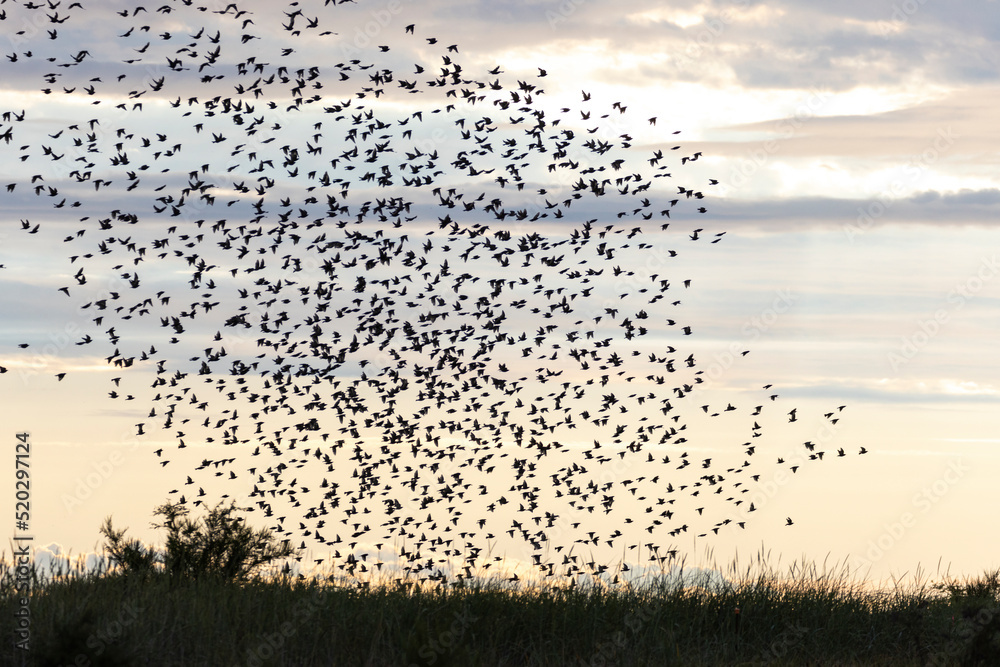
[(855, 153)]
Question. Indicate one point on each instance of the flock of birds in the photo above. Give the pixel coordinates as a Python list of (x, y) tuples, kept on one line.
[(412, 309)]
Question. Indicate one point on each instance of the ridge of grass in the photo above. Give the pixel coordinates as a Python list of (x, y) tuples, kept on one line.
[(807, 616)]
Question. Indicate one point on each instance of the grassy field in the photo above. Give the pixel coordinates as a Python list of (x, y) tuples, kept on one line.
[(762, 617)]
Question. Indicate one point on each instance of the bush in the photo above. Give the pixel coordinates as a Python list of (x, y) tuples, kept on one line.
[(218, 545), (132, 556)]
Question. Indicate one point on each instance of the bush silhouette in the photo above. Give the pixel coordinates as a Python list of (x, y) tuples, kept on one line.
[(217, 545), (132, 556)]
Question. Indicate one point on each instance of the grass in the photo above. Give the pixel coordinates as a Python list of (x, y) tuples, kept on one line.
[(805, 616)]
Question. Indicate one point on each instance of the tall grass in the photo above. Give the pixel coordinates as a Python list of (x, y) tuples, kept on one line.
[(801, 615)]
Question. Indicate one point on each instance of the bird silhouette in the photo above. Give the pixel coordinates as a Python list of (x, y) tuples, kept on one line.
[(400, 329)]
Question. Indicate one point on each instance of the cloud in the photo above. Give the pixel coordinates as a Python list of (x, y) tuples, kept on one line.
[(52, 560), (898, 391)]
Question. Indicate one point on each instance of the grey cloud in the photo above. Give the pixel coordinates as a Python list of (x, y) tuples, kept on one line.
[(967, 207), (858, 394)]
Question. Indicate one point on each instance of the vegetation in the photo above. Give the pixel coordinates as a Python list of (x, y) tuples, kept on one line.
[(220, 545), (189, 605)]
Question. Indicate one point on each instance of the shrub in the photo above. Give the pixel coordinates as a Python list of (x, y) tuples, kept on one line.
[(132, 556), (218, 545)]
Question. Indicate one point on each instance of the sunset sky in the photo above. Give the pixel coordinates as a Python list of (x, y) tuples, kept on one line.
[(856, 149)]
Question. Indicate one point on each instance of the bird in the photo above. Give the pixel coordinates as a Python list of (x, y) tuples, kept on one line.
[(375, 315)]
